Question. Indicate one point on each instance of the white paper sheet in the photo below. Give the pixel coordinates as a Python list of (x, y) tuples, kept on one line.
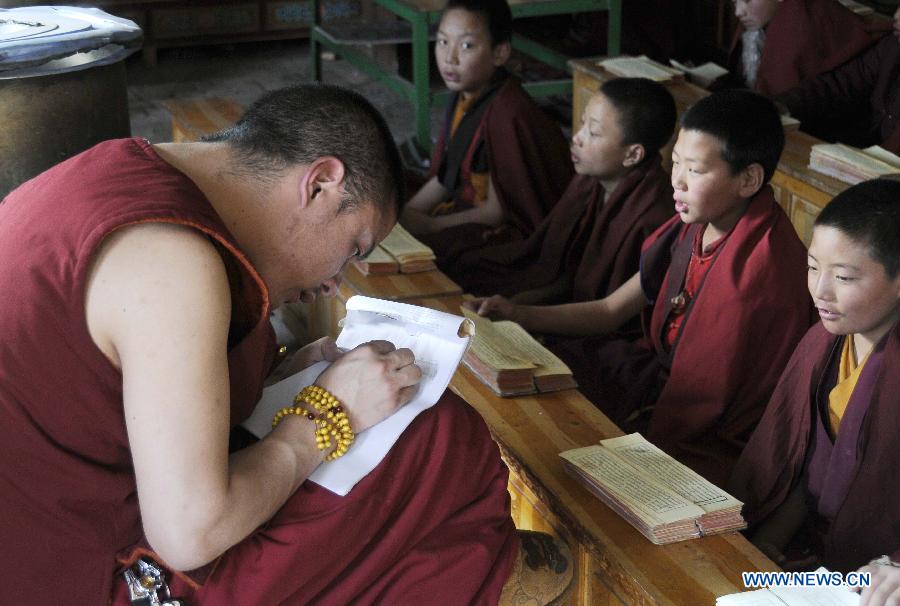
[(433, 336)]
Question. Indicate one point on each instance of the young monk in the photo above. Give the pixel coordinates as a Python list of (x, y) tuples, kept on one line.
[(820, 471), (857, 103), (590, 243), (779, 43), (717, 286), (500, 163)]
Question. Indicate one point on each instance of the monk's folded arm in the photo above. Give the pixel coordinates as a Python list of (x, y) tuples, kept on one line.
[(488, 213), (158, 305), (429, 195)]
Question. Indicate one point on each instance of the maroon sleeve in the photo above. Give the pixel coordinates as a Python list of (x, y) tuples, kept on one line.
[(529, 158), (831, 95)]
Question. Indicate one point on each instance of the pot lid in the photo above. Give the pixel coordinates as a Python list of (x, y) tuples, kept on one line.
[(40, 40)]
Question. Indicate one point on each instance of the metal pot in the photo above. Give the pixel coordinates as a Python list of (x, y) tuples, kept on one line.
[(59, 99)]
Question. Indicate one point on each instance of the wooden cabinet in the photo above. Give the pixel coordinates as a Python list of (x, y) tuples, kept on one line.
[(176, 23)]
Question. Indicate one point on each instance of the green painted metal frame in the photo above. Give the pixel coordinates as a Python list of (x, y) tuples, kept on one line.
[(418, 91)]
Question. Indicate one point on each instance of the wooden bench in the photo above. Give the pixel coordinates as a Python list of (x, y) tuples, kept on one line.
[(195, 118)]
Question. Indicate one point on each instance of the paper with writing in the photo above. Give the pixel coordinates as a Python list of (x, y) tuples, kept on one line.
[(506, 345), (438, 341), (702, 75), (793, 596), (663, 469), (403, 246), (640, 67), (653, 503)]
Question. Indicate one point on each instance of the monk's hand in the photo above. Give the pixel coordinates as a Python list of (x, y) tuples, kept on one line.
[(495, 307), (885, 587), (372, 381)]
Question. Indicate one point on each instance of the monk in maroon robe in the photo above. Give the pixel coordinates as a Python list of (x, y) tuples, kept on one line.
[(857, 103), (590, 244), (500, 163), (137, 285), (819, 472), (517, 145), (720, 287), (594, 242), (794, 40)]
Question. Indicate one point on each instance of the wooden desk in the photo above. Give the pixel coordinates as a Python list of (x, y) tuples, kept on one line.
[(422, 15), (326, 313), (615, 564), (802, 192)]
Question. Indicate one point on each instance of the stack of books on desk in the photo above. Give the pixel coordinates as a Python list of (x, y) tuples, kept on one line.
[(640, 67), (511, 362), (789, 123), (400, 252), (379, 261), (663, 499), (701, 75), (853, 165)]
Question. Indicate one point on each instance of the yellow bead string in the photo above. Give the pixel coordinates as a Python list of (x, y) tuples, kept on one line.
[(332, 424)]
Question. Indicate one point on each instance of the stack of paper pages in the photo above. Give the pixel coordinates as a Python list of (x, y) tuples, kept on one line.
[(701, 75), (511, 362), (399, 252), (853, 165), (793, 596), (379, 261), (640, 67), (663, 499), (789, 122)]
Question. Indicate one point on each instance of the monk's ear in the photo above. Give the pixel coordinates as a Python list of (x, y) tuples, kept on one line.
[(752, 178), (634, 155), (501, 53), (323, 178)]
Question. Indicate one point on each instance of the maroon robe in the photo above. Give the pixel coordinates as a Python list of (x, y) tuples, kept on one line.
[(805, 38), (851, 480), (738, 332), (708, 392), (68, 501), (528, 161), (596, 243), (857, 103)]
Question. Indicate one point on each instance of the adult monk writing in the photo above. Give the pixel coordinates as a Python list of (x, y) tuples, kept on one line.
[(137, 283)]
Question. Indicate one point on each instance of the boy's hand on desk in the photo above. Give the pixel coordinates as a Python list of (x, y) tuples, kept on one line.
[(885, 588), (372, 381), (495, 308)]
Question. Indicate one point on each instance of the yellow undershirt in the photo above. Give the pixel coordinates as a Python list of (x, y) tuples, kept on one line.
[(479, 180), (848, 375)]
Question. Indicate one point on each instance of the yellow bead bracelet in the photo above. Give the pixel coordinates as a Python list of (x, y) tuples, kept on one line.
[(332, 423)]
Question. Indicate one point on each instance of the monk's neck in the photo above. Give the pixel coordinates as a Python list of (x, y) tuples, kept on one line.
[(469, 96), (609, 186), (863, 343), (226, 192), (724, 223)]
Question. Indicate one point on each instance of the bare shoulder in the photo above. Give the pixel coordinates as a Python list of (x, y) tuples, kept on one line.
[(153, 277)]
